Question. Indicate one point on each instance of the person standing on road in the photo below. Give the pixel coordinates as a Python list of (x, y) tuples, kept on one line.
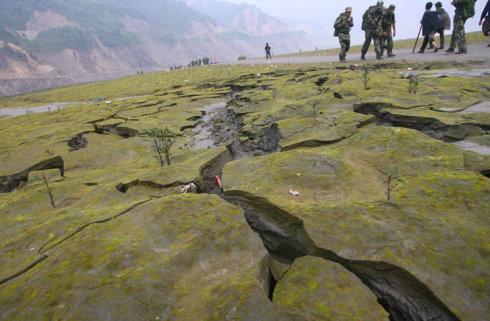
[(446, 25), (485, 20), (268, 50), (372, 21), (389, 30), (430, 23), (343, 24), (464, 9)]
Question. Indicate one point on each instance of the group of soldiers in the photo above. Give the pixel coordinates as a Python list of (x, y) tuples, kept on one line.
[(379, 25)]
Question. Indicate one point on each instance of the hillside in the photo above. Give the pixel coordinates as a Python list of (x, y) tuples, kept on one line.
[(74, 41)]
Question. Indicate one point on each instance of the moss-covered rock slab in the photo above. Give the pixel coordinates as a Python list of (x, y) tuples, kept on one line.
[(315, 289)]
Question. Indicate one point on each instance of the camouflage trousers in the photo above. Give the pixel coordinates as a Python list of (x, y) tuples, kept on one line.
[(458, 37), (344, 46), (372, 36), (387, 43)]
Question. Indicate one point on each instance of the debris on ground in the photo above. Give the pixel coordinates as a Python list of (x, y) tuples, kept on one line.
[(185, 189)]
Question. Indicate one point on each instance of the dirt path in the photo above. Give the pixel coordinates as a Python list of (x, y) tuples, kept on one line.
[(476, 53)]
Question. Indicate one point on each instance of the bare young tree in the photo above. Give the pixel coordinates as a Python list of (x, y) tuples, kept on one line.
[(162, 141), (365, 76), (391, 180), (46, 178), (315, 106), (413, 84)]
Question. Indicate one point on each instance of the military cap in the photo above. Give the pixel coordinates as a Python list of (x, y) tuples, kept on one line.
[(348, 9), (392, 6), (381, 2)]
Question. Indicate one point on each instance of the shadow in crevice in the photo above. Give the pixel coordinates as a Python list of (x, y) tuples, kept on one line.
[(399, 292), (12, 182), (272, 285), (427, 125)]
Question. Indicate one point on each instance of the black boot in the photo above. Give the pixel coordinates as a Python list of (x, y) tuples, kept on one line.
[(424, 45)]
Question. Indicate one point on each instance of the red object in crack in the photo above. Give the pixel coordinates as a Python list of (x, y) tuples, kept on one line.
[(218, 181)]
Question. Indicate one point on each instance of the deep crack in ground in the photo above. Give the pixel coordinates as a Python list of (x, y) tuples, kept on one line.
[(284, 236), (399, 292), (427, 125)]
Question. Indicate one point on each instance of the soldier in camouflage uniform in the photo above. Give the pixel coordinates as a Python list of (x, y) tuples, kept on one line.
[(372, 25), (389, 30), (342, 26), (464, 9)]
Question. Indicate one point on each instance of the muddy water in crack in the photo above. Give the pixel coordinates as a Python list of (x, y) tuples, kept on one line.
[(217, 125), (399, 292)]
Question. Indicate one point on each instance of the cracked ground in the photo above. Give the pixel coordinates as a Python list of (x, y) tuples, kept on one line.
[(143, 252)]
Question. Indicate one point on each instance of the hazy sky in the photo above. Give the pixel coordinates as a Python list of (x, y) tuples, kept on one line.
[(324, 12)]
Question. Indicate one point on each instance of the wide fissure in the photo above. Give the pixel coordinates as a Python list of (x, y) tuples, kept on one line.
[(427, 125), (12, 182), (399, 292)]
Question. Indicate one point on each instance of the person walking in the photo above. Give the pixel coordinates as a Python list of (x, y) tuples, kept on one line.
[(343, 24), (430, 23), (485, 20), (372, 25), (389, 30), (446, 25), (465, 9), (268, 50)]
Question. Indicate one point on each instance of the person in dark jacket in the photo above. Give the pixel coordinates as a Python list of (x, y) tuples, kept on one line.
[(268, 49), (485, 20), (430, 23), (446, 25)]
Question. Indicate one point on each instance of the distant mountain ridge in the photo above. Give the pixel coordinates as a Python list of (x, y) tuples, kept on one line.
[(56, 42), (239, 17)]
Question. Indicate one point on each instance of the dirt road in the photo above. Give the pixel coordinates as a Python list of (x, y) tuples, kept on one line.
[(476, 52)]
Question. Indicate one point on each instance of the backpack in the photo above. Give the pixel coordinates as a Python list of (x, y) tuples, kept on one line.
[(468, 9), (336, 26)]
